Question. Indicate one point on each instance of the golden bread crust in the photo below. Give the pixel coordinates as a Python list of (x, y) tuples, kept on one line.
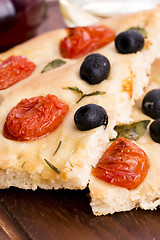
[(79, 151)]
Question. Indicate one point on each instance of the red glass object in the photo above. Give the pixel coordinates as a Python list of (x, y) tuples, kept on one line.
[(18, 20)]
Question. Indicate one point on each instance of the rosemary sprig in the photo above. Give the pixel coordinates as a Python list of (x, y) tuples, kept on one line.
[(23, 164), (52, 166), (91, 94), (57, 148), (76, 89)]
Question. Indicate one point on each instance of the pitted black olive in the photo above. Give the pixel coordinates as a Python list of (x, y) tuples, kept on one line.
[(95, 68), (151, 104), (90, 116), (130, 41), (155, 131)]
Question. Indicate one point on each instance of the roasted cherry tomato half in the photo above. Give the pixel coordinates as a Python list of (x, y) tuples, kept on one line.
[(123, 164), (34, 118), (14, 69), (82, 40)]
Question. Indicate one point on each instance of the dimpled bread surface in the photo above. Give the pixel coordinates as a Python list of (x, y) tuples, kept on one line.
[(22, 162), (107, 198)]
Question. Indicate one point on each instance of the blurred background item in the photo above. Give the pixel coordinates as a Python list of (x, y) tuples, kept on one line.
[(84, 12), (19, 20), (23, 19)]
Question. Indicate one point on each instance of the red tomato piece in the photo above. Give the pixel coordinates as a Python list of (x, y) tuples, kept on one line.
[(34, 118), (14, 69), (123, 164), (82, 40)]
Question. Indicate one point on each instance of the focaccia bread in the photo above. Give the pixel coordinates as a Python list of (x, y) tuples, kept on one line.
[(108, 198), (22, 163)]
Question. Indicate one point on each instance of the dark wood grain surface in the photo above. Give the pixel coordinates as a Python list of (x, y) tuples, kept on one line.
[(64, 214)]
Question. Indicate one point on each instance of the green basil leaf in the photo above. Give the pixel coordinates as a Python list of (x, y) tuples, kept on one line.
[(132, 131), (52, 65), (52, 166), (140, 30)]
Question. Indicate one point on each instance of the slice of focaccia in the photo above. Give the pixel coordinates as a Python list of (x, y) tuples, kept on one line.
[(64, 158), (108, 198)]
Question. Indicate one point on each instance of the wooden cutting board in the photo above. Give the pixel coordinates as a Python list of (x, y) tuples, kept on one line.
[(64, 214)]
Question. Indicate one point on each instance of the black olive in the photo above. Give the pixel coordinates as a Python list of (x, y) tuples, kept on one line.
[(151, 104), (130, 41), (90, 116), (95, 68), (155, 130)]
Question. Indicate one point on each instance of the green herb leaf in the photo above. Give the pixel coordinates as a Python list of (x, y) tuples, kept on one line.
[(91, 94), (76, 89), (23, 164), (52, 65), (52, 166), (132, 131), (57, 148), (140, 30)]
